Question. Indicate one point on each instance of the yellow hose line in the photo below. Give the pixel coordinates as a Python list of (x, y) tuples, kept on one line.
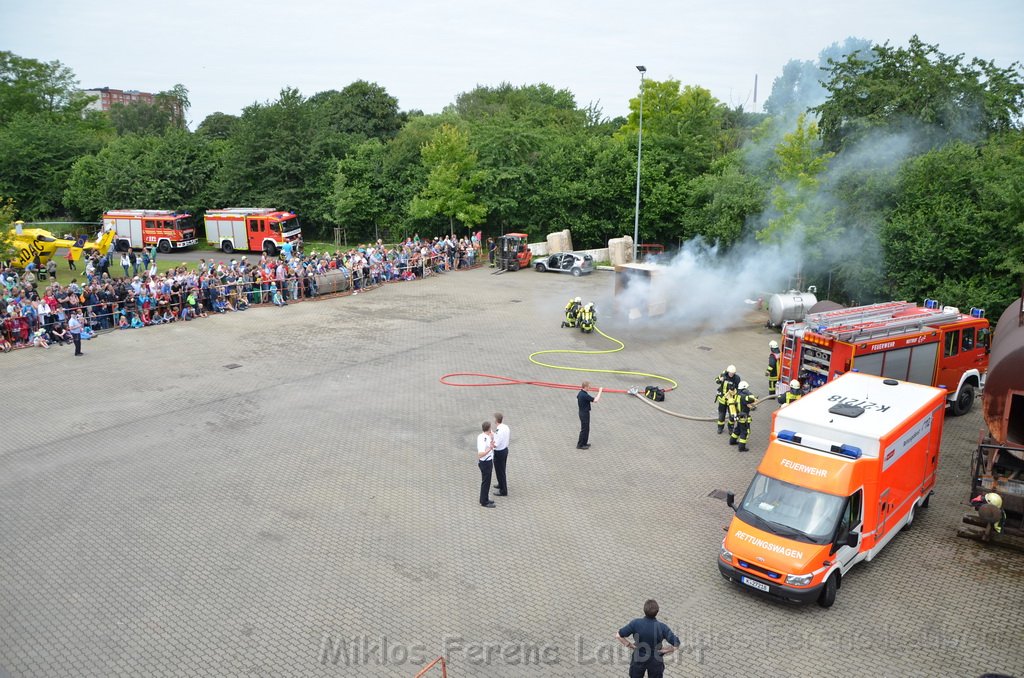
[(621, 346)]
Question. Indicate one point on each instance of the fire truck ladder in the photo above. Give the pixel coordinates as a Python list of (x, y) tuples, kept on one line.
[(884, 328), (860, 314)]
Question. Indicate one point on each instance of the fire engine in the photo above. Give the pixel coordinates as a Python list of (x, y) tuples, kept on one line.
[(141, 228), (256, 229), (931, 344)]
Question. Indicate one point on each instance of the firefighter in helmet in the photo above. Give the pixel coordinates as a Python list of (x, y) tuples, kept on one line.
[(794, 393), (744, 403), (990, 510), (726, 379), (773, 366), (572, 310), (588, 318)]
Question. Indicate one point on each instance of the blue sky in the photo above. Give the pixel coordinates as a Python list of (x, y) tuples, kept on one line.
[(230, 54)]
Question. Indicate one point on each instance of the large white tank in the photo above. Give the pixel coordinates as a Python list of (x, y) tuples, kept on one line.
[(791, 305)]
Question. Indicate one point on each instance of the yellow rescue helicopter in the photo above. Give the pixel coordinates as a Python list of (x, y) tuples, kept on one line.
[(29, 243)]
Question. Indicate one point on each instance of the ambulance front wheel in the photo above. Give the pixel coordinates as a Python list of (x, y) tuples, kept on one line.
[(828, 592)]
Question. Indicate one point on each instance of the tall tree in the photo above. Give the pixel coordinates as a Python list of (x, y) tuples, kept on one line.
[(950, 97), (451, 182), (31, 86)]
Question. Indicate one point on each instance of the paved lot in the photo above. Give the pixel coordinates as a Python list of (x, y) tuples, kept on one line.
[(312, 512)]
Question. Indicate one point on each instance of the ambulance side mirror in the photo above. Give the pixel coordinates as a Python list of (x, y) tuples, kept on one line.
[(730, 500), (852, 539)]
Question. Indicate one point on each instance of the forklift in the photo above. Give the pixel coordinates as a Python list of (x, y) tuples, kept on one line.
[(512, 253)]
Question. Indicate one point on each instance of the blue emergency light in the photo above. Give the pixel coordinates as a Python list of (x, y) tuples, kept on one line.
[(849, 451), (977, 312), (931, 303), (789, 436)]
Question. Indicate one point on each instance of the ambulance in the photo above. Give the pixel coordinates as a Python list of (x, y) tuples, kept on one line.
[(847, 467)]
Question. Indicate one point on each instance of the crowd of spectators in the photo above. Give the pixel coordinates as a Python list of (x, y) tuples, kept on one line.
[(35, 309)]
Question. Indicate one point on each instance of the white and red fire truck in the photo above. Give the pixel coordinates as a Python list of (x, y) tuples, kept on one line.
[(256, 229), (931, 344), (142, 228)]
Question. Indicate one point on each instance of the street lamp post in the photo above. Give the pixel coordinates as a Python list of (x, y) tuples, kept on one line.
[(639, 149)]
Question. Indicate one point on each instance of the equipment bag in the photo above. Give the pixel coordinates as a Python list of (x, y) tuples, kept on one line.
[(654, 393)]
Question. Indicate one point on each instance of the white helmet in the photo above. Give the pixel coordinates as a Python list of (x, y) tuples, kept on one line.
[(773, 345), (578, 300), (731, 370), (795, 383), (994, 499), (743, 385)]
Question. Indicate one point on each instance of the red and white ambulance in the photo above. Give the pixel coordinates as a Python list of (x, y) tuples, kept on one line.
[(141, 228), (256, 229), (847, 467)]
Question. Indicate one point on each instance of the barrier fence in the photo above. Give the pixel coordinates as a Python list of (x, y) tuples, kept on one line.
[(22, 331)]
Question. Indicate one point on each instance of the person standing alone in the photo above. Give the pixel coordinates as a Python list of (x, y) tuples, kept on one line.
[(644, 636), (75, 328), (584, 400), (502, 434), (773, 367), (485, 460)]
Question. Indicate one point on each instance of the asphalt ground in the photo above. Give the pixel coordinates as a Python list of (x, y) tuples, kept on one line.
[(293, 492)]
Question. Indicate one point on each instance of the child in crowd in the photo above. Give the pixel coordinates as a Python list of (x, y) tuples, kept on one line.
[(276, 295), (39, 339)]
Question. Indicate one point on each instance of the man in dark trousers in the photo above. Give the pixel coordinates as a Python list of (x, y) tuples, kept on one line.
[(584, 399), (485, 460), (774, 366), (75, 325), (644, 636), (502, 434)]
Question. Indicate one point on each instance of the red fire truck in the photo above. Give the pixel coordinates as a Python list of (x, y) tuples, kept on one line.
[(142, 228), (931, 344), (256, 229)]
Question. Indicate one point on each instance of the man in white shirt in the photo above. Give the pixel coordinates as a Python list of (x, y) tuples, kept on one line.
[(485, 460), (75, 328), (501, 438)]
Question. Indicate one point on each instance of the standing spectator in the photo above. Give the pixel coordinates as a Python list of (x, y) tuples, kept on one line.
[(75, 328), (152, 252), (644, 636), (491, 246), (126, 263), (502, 434), (134, 260), (584, 400), (51, 269), (71, 259), (485, 460)]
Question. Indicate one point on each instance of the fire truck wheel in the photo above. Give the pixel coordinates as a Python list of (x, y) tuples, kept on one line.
[(963, 402), (121, 246), (270, 249), (164, 246), (828, 592), (226, 247)]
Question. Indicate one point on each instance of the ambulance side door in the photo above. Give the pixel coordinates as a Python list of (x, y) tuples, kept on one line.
[(852, 523)]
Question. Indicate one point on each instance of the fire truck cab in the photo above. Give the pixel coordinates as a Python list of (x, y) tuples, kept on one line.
[(931, 344), (255, 229), (141, 228)]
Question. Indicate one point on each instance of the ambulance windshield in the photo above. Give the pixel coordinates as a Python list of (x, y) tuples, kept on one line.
[(790, 510)]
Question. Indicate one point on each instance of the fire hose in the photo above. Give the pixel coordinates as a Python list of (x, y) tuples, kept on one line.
[(636, 392), (497, 380)]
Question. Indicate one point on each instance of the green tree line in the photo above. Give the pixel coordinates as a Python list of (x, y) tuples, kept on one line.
[(887, 172)]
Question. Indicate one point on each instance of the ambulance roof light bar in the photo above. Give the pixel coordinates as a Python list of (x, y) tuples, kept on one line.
[(820, 444)]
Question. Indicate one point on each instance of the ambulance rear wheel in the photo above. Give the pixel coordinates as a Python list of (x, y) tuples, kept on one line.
[(828, 593), (964, 401)]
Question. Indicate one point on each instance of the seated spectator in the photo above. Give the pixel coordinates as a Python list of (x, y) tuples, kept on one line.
[(59, 334), (39, 339)]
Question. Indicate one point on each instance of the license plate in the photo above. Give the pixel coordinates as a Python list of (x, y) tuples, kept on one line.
[(755, 584)]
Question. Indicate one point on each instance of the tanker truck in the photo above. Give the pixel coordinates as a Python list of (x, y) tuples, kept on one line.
[(999, 460)]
